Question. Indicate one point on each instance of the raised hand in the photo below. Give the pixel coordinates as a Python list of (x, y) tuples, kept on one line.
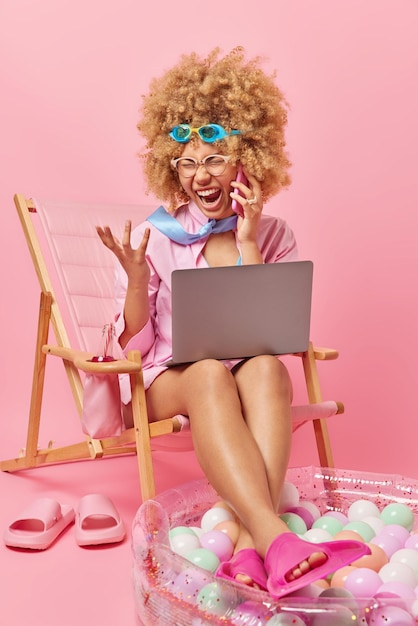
[(132, 260)]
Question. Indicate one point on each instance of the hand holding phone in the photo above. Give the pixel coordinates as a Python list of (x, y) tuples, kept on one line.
[(241, 178)]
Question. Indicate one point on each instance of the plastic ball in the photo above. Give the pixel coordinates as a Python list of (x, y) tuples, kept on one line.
[(286, 619), (375, 522), (188, 584), (341, 517), (197, 531), (311, 507), (214, 516), (317, 535), (391, 616), (181, 530), (223, 505), (398, 513), (294, 522), (289, 497), (335, 592), (348, 534), (412, 542), (388, 543), (321, 584), (303, 512), (213, 599), (361, 509), (204, 558), (396, 530), (230, 528), (396, 589), (333, 615), (338, 578), (363, 582), (407, 556), (414, 608), (364, 530), (328, 523), (400, 572), (219, 543), (183, 544), (250, 613), (375, 560), (308, 591)]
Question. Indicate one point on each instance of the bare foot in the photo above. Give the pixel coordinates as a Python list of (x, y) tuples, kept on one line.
[(244, 579), (316, 559)]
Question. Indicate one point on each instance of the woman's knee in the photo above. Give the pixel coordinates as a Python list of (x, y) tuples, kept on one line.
[(211, 374), (268, 369)]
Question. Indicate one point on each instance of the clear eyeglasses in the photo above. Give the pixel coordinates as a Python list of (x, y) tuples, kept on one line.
[(215, 165)]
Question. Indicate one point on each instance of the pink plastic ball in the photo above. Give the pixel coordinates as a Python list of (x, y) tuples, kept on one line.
[(396, 589), (250, 613), (388, 543), (311, 507), (218, 542), (391, 616), (188, 584), (341, 517), (396, 530), (412, 542), (363, 582)]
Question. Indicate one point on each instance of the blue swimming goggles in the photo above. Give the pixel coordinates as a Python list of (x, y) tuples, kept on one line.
[(209, 133)]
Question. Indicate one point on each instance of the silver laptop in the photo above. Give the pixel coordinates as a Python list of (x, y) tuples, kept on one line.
[(241, 311)]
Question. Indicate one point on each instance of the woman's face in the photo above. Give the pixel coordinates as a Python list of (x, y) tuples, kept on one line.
[(210, 193)]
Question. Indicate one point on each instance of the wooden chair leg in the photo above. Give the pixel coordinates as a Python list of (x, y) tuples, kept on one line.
[(314, 394), (38, 379), (142, 432)]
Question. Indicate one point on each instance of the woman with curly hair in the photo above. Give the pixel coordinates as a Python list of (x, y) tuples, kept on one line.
[(203, 120)]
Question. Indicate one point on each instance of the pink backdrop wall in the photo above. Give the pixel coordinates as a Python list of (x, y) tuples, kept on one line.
[(72, 74)]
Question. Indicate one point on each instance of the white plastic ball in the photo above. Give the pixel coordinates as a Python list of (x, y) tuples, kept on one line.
[(289, 497), (361, 509), (400, 572), (214, 516), (317, 535)]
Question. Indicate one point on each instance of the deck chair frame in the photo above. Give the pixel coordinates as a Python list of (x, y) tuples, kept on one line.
[(137, 439)]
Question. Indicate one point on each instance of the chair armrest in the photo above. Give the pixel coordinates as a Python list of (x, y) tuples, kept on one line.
[(321, 354), (325, 354), (82, 361)]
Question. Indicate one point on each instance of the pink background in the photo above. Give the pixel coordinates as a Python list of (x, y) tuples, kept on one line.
[(72, 74)]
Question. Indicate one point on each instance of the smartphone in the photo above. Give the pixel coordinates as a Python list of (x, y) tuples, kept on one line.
[(241, 178)]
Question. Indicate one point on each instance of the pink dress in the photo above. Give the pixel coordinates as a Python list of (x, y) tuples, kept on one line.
[(276, 243)]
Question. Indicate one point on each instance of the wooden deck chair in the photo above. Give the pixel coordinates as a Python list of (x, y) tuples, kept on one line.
[(76, 275)]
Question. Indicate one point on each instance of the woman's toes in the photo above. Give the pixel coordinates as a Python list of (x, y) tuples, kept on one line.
[(316, 559)]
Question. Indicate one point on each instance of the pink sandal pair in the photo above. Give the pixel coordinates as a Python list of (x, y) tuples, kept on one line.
[(42, 522), (286, 552)]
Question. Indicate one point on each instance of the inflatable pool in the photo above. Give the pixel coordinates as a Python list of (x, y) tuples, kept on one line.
[(170, 590)]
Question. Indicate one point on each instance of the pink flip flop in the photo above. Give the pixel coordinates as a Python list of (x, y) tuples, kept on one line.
[(39, 524), (288, 550), (98, 521), (246, 562)]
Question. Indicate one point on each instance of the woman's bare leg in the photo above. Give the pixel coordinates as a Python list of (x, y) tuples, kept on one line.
[(231, 456), (229, 453)]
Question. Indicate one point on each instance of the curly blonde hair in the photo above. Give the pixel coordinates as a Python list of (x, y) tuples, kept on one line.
[(230, 91)]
